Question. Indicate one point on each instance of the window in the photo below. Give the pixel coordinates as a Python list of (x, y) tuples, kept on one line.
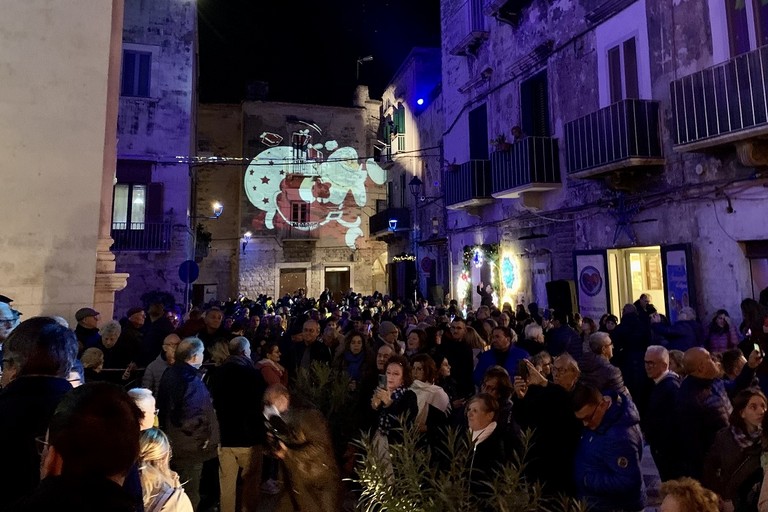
[(129, 206), (534, 101), (478, 133), (622, 71), (136, 73), (623, 56), (300, 213), (399, 119)]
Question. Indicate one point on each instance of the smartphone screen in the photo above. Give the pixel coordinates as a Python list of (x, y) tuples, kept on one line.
[(383, 381), (756, 348)]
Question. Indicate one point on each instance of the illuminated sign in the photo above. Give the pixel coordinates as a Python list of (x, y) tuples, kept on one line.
[(307, 186), (511, 278), (404, 257)]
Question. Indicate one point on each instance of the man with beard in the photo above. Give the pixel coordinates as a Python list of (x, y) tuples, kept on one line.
[(503, 353), (301, 439)]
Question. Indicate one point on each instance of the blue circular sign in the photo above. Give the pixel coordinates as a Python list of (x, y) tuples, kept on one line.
[(189, 271)]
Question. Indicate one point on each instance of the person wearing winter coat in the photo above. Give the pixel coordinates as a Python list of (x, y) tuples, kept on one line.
[(659, 423), (703, 406), (596, 368), (187, 415), (607, 465), (732, 466), (503, 353)]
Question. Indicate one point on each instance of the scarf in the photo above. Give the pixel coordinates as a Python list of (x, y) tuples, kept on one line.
[(481, 435), (744, 439), (387, 420), (354, 364)]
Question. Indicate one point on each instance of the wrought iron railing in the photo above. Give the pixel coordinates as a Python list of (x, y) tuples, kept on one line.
[(722, 99), (625, 130), (528, 161), (469, 183), (141, 236)]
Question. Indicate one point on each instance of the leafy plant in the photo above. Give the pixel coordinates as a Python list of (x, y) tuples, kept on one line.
[(423, 484), (499, 140)]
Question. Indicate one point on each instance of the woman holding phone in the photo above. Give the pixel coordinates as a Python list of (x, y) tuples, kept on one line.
[(395, 402)]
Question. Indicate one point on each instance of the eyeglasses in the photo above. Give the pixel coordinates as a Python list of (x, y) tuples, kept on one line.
[(588, 421), (41, 444)]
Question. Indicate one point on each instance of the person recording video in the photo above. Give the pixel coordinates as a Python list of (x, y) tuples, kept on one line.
[(300, 438)]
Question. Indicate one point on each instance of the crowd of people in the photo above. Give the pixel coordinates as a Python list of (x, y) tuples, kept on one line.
[(204, 410)]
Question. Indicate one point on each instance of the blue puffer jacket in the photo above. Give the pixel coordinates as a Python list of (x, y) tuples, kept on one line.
[(607, 465)]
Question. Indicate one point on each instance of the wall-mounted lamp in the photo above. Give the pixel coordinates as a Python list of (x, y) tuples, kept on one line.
[(246, 238), (393, 224), (217, 209), (416, 186)]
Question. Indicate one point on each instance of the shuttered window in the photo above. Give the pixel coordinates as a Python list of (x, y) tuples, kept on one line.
[(136, 73), (622, 71), (534, 105)]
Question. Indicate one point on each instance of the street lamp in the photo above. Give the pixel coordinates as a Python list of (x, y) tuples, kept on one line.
[(246, 238), (361, 60)]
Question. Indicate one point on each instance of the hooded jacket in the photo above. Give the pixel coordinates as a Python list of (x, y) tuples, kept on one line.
[(607, 464)]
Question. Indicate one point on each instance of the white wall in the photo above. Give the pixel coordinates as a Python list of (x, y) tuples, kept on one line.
[(54, 60)]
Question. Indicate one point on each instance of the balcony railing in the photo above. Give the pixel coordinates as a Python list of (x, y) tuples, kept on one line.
[(622, 135), (468, 185), (529, 165), (299, 233), (141, 236), (471, 30), (722, 104), (379, 223)]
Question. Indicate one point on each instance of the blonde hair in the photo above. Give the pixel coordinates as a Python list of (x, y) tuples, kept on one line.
[(473, 339), (154, 459), (690, 495), (92, 358)]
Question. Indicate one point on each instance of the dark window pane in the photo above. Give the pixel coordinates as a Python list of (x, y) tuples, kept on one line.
[(614, 74), (478, 133), (630, 70), (761, 21), (145, 60), (129, 68), (534, 101), (738, 32)]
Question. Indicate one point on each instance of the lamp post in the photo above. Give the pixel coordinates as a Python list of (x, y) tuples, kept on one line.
[(216, 209), (361, 60)]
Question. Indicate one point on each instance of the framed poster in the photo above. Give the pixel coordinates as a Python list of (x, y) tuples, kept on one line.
[(679, 289), (591, 282)]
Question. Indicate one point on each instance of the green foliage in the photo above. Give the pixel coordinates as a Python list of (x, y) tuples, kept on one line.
[(420, 487), (158, 297)]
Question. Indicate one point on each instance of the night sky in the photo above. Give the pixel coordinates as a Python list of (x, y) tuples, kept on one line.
[(307, 51)]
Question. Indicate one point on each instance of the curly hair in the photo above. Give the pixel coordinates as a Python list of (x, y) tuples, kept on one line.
[(690, 495)]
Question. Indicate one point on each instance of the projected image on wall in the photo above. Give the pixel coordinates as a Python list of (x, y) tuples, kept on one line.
[(305, 187)]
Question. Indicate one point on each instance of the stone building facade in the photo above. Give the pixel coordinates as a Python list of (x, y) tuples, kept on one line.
[(59, 99), (631, 158), (411, 150), (305, 184), (152, 221)]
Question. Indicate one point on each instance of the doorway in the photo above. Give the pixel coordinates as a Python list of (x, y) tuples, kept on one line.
[(337, 281), (291, 279), (635, 271)]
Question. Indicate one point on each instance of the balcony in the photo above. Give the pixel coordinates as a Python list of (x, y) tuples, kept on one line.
[(468, 24), (529, 165), (299, 232), (379, 223), (141, 236), (721, 105), (506, 11), (468, 185), (621, 137)]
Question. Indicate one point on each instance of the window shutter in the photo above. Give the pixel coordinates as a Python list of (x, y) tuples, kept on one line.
[(478, 133), (630, 70), (534, 101), (614, 73), (145, 63), (155, 210), (129, 69)]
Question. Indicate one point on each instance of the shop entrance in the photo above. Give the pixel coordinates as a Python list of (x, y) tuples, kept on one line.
[(632, 272)]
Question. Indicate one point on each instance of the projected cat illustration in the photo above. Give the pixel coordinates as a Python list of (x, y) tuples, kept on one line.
[(307, 186)]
